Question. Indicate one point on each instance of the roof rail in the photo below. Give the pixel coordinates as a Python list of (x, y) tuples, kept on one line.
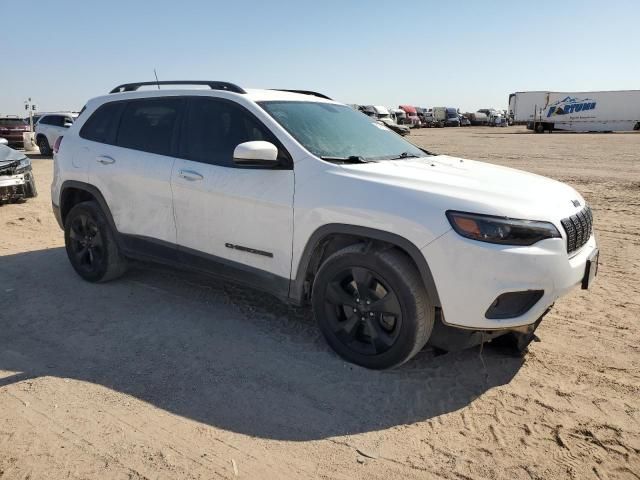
[(304, 92), (213, 85)]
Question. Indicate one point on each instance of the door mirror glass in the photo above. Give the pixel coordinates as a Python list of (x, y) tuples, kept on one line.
[(257, 152)]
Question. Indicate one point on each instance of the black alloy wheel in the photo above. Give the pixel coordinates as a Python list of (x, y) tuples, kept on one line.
[(91, 244), (86, 243), (371, 305), (363, 311)]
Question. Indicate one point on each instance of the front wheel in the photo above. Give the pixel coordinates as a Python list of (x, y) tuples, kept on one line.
[(372, 307), (91, 245), (43, 145)]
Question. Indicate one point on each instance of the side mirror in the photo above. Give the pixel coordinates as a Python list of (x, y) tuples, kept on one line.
[(4, 141), (256, 153), (67, 124)]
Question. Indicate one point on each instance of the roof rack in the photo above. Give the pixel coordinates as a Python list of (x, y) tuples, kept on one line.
[(304, 92), (213, 85)]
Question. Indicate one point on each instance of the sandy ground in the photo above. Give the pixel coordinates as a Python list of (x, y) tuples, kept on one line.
[(164, 374)]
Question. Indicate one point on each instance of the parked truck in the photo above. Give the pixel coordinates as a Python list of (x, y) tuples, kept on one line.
[(412, 116), (603, 111), (446, 116), (478, 118)]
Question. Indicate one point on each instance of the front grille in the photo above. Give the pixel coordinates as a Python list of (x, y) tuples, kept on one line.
[(578, 228)]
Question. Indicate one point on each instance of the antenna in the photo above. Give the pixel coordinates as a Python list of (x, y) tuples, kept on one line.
[(157, 81)]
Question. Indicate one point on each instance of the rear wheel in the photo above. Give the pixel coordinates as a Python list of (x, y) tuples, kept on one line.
[(43, 145), (91, 245), (372, 306)]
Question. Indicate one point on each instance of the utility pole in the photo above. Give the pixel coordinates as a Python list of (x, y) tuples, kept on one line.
[(30, 106)]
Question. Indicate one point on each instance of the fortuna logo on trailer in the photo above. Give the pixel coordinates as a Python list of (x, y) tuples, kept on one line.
[(570, 105)]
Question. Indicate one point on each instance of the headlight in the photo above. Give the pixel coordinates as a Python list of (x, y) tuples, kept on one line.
[(24, 164), (506, 231)]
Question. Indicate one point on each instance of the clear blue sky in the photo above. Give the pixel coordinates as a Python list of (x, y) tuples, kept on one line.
[(467, 54)]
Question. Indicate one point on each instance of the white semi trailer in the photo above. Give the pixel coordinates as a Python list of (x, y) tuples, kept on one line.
[(577, 111)]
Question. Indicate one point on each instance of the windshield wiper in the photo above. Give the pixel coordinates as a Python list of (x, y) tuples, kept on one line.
[(350, 159), (405, 155)]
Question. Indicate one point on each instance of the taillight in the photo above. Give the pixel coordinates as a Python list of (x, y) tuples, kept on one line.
[(56, 146)]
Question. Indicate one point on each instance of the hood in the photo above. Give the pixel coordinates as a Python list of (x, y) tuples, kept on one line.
[(459, 184), (9, 155)]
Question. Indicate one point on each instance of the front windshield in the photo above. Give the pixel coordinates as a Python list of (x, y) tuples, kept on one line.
[(338, 132)]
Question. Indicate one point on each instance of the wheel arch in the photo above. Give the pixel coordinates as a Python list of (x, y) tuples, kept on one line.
[(332, 237), (73, 192)]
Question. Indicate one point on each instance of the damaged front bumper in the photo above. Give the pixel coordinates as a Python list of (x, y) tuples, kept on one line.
[(17, 186), (453, 339)]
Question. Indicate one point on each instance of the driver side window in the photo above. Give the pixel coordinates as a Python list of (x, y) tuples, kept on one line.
[(214, 128)]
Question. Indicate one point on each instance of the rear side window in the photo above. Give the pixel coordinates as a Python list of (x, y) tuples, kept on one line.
[(149, 124), (102, 125), (214, 128)]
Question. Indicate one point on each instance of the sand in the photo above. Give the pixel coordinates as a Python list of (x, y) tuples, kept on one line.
[(164, 374)]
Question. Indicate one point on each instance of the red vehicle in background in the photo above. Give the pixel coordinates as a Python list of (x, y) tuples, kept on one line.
[(12, 128), (412, 116)]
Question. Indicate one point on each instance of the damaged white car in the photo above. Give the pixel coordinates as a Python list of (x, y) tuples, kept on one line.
[(16, 177)]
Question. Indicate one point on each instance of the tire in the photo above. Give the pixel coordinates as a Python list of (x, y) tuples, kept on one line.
[(91, 245), (30, 187), (348, 290), (540, 128), (43, 145)]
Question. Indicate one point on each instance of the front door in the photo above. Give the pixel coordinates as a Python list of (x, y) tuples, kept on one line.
[(239, 218)]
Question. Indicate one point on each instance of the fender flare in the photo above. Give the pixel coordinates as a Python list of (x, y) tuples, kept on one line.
[(296, 290), (94, 191)]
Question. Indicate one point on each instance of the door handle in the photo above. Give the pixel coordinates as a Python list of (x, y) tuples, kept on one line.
[(105, 159), (190, 175)]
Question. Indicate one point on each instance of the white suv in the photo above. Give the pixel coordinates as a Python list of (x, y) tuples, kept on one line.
[(293, 193), (50, 126)]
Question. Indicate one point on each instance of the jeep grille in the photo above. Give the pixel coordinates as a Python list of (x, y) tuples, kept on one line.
[(578, 228)]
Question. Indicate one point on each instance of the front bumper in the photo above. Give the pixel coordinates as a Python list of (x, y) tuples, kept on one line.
[(17, 186), (470, 275)]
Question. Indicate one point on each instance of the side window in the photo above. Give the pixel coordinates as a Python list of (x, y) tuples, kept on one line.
[(101, 126), (214, 128), (46, 120), (57, 120), (148, 124)]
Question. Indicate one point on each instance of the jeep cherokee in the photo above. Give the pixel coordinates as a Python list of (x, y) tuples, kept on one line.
[(301, 196)]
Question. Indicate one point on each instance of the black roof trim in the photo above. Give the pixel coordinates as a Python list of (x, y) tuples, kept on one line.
[(304, 92), (212, 84)]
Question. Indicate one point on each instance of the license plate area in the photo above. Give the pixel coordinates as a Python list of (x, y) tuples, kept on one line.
[(591, 270)]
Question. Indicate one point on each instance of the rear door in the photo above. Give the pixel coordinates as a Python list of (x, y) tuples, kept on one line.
[(131, 165), (240, 216)]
